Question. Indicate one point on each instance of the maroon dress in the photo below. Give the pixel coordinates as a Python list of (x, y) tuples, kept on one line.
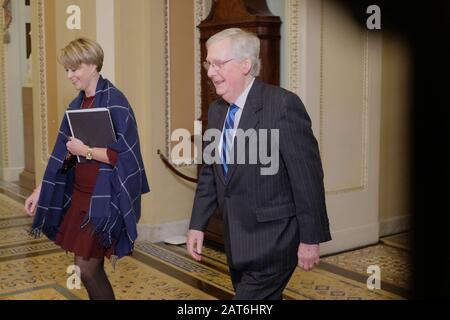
[(71, 236)]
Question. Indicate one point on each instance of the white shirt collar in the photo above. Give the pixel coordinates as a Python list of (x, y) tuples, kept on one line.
[(240, 101)]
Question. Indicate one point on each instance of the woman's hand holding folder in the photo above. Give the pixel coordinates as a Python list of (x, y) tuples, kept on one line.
[(76, 147)]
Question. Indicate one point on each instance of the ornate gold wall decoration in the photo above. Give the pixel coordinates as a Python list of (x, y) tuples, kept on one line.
[(3, 115), (293, 33), (167, 76), (42, 81)]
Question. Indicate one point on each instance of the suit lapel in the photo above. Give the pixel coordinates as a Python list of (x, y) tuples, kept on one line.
[(249, 119)]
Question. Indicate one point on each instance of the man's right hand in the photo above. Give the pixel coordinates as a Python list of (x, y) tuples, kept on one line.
[(195, 243), (31, 202)]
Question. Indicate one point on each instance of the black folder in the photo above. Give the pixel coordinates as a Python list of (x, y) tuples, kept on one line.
[(92, 126)]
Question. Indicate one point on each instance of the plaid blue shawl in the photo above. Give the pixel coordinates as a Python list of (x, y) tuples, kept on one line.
[(115, 206)]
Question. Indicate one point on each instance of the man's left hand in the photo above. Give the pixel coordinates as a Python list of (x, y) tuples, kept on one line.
[(76, 147), (308, 256)]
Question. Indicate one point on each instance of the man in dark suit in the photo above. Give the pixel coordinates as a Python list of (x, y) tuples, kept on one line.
[(273, 221)]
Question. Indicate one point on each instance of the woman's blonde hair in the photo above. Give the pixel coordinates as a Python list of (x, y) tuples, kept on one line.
[(82, 50)]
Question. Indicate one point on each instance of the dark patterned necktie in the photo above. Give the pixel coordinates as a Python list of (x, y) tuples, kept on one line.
[(227, 143)]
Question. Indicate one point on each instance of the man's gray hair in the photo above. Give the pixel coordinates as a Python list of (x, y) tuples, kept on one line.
[(244, 45)]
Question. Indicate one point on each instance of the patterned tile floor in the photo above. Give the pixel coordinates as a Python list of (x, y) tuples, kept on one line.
[(316, 284), (401, 241), (37, 269)]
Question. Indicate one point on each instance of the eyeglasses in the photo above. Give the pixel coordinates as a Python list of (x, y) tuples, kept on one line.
[(215, 65)]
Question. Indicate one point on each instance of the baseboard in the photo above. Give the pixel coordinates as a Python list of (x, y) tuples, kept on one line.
[(11, 174), (343, 240), (351, 238), (395, 225), (160, 232)]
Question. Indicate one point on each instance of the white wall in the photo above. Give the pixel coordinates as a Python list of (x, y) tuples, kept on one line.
[(15, 73)]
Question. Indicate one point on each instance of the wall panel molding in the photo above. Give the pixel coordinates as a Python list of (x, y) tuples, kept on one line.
[(363, 169), (199, 15), (294, 52), (200, 12)]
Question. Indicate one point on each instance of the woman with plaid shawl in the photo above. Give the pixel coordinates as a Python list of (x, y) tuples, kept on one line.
[(92, 208)]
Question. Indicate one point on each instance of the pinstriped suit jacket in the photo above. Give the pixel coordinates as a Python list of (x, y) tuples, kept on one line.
[(266, 216)]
